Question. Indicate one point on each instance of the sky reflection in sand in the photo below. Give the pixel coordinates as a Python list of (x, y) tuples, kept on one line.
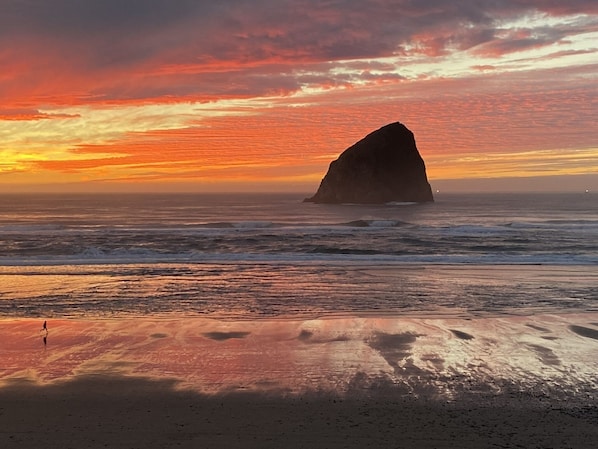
[(418, 356)]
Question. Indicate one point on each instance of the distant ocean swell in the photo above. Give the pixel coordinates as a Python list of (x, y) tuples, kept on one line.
[(572, 242)]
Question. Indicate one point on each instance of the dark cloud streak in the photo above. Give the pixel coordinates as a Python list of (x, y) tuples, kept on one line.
[(118, 46), (82, 18)]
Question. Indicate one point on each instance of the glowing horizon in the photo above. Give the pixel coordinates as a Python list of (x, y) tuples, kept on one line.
[(263, 95)]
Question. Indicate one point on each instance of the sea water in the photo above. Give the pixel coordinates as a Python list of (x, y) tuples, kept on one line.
[(246, 256)]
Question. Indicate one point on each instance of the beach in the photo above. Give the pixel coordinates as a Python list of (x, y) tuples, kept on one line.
[(262, 321), (336, 381)]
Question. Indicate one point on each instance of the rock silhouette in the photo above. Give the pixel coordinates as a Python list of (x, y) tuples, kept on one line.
[(385, 166)]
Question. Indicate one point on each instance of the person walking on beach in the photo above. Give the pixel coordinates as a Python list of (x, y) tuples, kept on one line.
[(45, 331)]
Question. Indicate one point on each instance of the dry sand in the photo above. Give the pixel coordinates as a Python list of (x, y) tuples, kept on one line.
[(347, 382)]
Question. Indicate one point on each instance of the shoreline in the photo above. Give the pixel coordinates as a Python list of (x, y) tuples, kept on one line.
[(307, 292)]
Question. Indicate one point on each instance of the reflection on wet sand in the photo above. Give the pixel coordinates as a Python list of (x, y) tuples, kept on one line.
[(349, 382), (396, 349), (585, 331), (221, 336), (462, 335), (418, 356)]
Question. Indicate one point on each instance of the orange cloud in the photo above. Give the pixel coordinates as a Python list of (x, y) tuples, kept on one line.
[(466, 135), (260, 90)]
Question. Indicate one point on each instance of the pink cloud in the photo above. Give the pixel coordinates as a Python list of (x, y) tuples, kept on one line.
[(30, 114), (483, 67)]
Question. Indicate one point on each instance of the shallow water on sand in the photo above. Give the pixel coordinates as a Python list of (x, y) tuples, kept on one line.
[(427, 357), (252, 291)]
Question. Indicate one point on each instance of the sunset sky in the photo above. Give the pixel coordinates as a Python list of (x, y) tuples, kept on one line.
[(258, 95)]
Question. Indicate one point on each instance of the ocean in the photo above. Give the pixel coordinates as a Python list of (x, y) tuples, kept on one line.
[(248, 256)]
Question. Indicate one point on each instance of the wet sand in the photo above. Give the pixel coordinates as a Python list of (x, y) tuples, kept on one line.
[(368, 381)]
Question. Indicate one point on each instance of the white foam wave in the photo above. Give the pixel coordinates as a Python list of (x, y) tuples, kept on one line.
[(91, 257), (253, 224), (401, 203)]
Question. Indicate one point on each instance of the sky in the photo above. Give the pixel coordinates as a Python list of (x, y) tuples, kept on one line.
[(261, 95)]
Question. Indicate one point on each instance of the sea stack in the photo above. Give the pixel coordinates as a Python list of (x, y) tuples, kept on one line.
[(385, 166)]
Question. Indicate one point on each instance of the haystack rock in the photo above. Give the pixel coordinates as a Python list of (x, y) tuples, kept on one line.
[(385, 166)]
